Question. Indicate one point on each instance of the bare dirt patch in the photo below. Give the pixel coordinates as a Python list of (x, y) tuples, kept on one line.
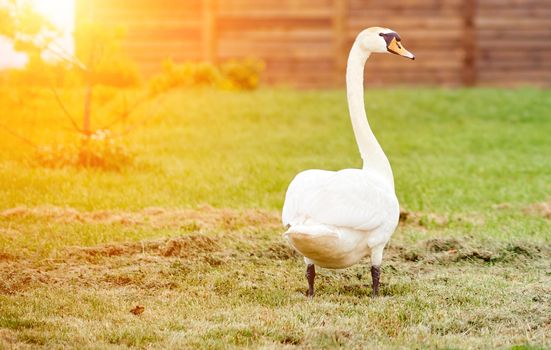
[(442, 244), (449, 250), (421, 219), (280, 251), (205, 217), (188, 247), (156, 265), (217, 238), (213, 233), (129, 263), (428, 220), (7, 336), (16, 276), (6, 256), (542, 209)]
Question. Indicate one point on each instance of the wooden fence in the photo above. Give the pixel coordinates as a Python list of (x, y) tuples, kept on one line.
[(305, 43)]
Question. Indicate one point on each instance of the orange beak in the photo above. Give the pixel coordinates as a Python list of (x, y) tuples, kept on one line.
[(396, 47)]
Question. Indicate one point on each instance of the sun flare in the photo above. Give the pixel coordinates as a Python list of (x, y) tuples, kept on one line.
[(60, 12)]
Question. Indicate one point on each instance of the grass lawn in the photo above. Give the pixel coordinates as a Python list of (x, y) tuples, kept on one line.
[(191, 230)]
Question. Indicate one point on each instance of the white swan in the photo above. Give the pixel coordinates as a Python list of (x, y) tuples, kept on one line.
[(335, 218)]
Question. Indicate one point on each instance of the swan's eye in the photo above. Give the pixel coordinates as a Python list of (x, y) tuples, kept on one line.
[(389, 37)]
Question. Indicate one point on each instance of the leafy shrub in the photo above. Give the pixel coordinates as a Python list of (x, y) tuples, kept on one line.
[(205, 74), (100, 150), (243, 74), (56, 156), (235, 75), (184, 75)]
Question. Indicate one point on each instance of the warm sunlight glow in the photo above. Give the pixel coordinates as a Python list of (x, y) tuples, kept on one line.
[(62, 14)]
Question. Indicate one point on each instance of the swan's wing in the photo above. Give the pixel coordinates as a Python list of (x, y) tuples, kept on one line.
[(347, 198), (305, 182)]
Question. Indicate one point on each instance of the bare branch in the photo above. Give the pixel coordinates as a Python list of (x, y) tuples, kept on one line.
[(65, 111), (62, 54), (135, 125), (16, 135), (67, 56), (127, 111)]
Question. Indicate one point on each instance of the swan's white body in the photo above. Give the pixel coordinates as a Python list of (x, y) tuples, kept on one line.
[(335, 218)]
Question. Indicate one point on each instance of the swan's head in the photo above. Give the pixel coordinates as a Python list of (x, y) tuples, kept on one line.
[(383, 40)]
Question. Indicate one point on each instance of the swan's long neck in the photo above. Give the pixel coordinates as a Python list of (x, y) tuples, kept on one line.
[(374, 159)]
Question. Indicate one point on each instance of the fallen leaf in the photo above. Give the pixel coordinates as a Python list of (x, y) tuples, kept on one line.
[(138, 310)]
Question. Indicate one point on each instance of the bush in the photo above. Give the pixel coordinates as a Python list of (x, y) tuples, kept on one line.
[(100, 150), (234, 75), (184, 75), (243, 74)]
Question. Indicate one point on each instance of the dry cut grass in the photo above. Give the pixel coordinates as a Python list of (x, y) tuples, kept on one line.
[(231, 282)]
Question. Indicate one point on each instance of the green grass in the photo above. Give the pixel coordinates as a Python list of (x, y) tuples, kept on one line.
[(470, 164), (451, 150)]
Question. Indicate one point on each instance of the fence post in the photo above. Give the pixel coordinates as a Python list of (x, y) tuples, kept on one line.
[(339, 40), (209, 31), (469, 43)]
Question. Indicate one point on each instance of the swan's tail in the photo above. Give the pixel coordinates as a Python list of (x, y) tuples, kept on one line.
[(320, 244)]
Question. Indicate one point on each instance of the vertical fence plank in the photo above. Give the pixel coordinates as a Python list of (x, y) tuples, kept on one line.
[(469, 43), (209, 31), (339, 39), (84, 12)]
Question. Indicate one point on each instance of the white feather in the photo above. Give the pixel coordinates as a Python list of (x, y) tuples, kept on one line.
[(335, 217)]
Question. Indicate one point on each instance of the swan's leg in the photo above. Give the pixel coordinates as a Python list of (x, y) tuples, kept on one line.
[(310, 275), (376, 259), (375, 274)]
